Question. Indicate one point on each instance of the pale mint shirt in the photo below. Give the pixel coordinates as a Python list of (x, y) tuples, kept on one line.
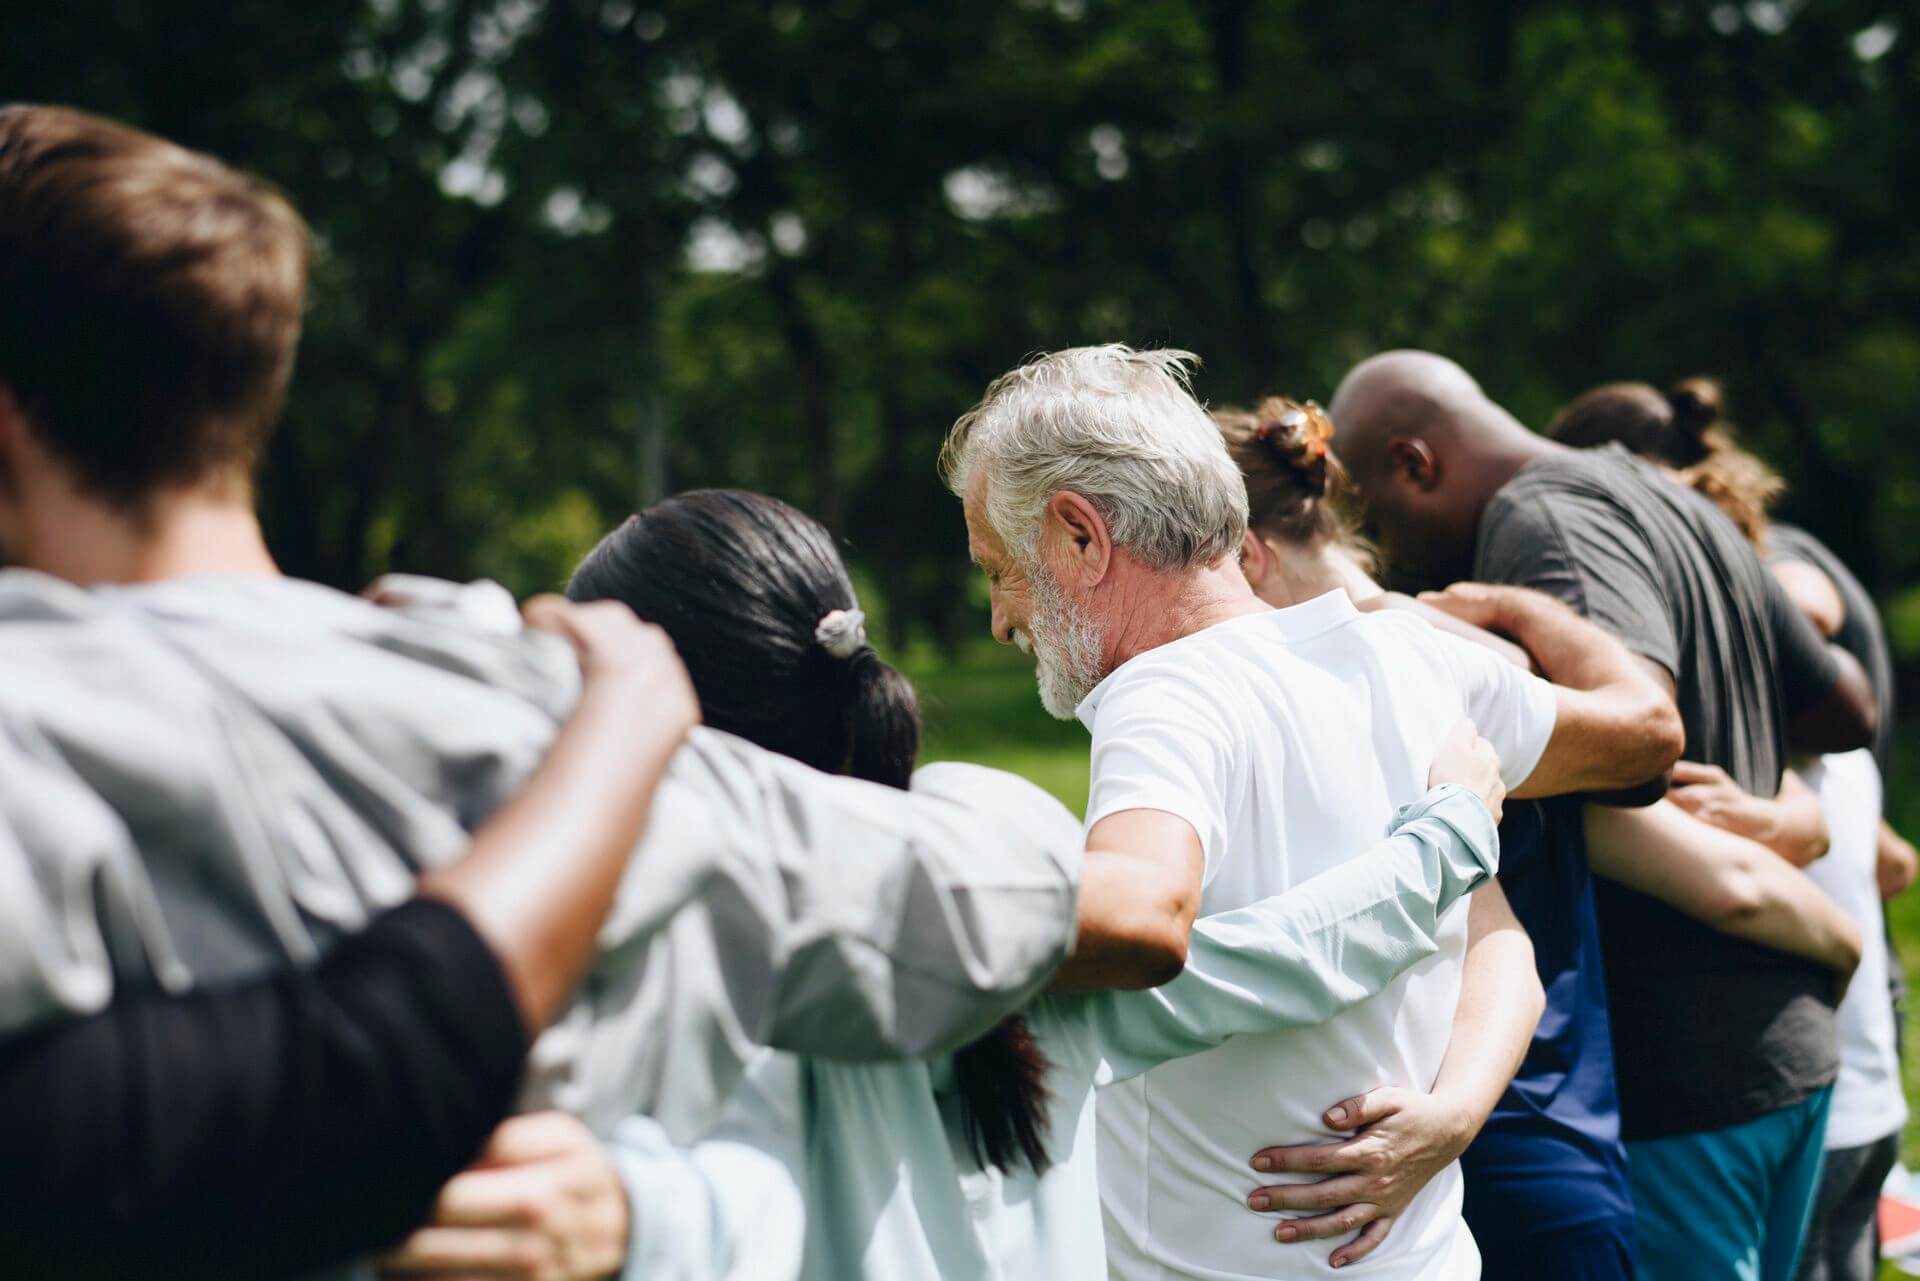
[(836, 1171)]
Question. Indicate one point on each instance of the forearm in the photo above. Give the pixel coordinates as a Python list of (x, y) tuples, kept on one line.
[(542, 872), (1617, 725), (1796, 824), (264, 1128), (1725, 881), (1500, 1005)]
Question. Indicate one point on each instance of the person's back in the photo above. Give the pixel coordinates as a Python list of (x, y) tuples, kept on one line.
[(1319, 721), (895, 1167), (1710, 1031)]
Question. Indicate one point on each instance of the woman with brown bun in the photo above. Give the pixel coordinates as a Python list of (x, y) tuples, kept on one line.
[(1546, 1190), (1684, 429)]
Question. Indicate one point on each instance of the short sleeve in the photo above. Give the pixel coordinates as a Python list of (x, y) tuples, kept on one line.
[(1512, 708), (1806, 665), (1162, 742), (1588, 554)]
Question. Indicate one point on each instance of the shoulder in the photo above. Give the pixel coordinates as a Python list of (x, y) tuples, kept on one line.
[(1185, 679)]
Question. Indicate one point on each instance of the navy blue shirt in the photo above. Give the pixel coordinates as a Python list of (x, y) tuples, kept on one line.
[(1550, 1156)]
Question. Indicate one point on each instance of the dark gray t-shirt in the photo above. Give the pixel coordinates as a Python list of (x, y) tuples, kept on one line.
[(1708, 1031)]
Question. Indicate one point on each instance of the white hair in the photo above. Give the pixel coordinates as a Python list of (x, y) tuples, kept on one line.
[(1121, 429)]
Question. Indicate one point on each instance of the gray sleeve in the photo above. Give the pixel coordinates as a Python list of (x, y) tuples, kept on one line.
[(1580, 551), (773, 905)]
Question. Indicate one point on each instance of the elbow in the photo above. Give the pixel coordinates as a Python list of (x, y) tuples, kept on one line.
[(1159, 955), (1665, 739), (1734, 900)]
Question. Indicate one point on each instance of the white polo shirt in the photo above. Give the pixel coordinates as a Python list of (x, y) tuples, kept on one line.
[(1287, 739)]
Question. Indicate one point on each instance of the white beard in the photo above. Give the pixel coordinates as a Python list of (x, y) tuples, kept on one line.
[(1066, 646)]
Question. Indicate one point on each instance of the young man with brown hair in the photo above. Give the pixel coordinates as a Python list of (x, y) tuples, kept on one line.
[(208, 770)]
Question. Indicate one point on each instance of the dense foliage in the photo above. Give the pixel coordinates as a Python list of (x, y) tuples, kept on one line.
[(578, 251)]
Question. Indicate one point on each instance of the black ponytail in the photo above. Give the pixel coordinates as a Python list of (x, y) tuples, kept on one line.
[(741, 583), (883, 721)]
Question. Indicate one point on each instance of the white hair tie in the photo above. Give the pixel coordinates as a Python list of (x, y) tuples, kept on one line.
[(842, 632)]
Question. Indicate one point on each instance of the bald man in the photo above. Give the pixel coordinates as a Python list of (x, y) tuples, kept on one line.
[(1724, 1052)]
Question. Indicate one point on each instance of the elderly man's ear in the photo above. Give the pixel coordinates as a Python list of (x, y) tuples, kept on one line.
[(1082, 546)]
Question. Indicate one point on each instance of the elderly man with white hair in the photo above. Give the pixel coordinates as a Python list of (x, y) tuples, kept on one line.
[(1241, 749)]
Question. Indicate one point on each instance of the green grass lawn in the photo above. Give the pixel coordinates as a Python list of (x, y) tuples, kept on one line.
[(983, 708)]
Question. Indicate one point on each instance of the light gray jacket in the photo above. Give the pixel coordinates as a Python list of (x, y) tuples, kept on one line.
[(202, 778)]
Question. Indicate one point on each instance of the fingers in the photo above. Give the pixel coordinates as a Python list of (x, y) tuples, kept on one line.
[(1685, 772), (1328, 1194), (1361, 1246), (1365, 1109), (1349, 1157), (1347, 1219), (493, 1252), (501, 1197), (1476, 603), (536, 1136)]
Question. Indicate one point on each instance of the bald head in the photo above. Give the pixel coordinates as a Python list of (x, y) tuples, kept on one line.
[(1403, 393), (1427, 449)]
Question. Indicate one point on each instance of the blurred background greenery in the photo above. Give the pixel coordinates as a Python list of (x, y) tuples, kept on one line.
[(575, 254)]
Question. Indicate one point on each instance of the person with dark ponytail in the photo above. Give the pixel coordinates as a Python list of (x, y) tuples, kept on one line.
[(978, 1166), (757, 594), (1684, 429)]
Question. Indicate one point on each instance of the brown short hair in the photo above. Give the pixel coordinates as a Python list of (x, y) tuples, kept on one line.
[(150, 302)]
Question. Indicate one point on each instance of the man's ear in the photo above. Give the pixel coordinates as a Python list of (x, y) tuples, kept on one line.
[(1414, 458), (1086, 546)]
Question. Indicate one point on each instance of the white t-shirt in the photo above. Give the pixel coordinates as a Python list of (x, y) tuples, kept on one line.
[(1867, 1101), (1287, 739)]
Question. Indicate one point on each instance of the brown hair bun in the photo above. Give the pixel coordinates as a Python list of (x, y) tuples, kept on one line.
[(1298, 433)]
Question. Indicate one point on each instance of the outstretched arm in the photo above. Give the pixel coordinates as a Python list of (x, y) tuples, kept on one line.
[(1405, 1137), (1616, 725), (1726, 881)]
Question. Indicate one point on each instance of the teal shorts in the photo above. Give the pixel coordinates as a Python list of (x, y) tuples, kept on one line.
[(1732, 1204)]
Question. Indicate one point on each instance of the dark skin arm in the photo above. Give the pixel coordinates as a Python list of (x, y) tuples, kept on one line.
[(1617, 725), (1845, 719)]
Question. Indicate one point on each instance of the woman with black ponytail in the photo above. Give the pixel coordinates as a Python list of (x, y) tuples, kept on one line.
[(759, 604), (978, 1166)]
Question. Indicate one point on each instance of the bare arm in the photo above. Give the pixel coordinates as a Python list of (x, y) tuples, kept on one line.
[(1790, 823), (1139, 891), (1405, 1137), (1726, 881), (541, 875), (1616, 725)]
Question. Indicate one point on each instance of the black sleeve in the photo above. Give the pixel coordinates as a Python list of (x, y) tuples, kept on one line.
[(263, 1128), (1807, 668)]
